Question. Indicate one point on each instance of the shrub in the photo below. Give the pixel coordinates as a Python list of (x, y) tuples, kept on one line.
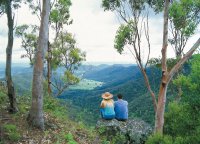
[(105, 142), (70, 139), (3, 96), (11, 132), (159, 139)]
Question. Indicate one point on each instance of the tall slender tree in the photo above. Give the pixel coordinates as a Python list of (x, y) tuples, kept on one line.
[(186, 13), (7, 6), (10, 85), (133, 31), (36, 117), (62, 51), (59, 16), (130, 35)]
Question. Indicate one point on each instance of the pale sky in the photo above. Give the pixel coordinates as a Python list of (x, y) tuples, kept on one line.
[(94, 31)]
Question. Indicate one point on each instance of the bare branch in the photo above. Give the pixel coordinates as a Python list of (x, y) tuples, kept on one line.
[(146, 29), (183, 60), (52, 4)]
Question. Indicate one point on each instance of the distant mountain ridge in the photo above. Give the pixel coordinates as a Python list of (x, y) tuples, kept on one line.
[(118, 78)]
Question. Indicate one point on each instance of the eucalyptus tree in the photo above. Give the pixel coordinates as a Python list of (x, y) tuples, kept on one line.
[(59, 20), (59, 17), (129, 34), (133, 31), (36, 117), (28, 34), (65, 55), (7, 7), (184, 18), (63, 49)]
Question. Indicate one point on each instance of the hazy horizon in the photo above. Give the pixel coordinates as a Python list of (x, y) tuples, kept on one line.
[(25, 64)]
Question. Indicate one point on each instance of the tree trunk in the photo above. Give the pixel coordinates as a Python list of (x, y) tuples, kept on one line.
[(159, 122), (149, 89), (159, 119), (10, 85), (36, 117), (167, 76), (49, 69)]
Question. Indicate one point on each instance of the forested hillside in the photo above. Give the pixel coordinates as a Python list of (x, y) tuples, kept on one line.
[(86, 96), (146, 50), (124, 79)]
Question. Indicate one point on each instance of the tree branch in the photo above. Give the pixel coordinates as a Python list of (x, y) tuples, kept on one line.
[(183, 60)]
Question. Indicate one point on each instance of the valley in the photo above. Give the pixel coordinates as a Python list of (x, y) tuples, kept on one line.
[(85, 96)]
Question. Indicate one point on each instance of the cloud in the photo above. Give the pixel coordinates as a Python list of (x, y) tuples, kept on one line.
[(94, 30), (22, 16)]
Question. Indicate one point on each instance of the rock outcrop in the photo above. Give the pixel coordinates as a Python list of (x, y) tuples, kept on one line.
[(129, 132)]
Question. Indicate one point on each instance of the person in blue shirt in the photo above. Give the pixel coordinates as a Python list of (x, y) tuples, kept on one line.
[(121, 108), (107, 106)]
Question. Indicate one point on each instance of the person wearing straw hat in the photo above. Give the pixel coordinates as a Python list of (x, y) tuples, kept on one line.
[(107, 106)]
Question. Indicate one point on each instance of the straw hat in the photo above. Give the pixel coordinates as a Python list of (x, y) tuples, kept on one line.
[(107, 95)]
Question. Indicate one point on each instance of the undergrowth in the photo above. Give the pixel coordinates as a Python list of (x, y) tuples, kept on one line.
[(59, 129)]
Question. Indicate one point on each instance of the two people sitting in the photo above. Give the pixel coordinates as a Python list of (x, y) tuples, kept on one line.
[(110, 109)]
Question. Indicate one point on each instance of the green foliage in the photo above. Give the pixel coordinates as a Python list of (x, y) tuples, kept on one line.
[(3, 95), (171, 62), (70, 78), (2, 7), (29, 38), (10, 128), (182, 121), (119, 139), (23, 108), (159, 139), (62, 52), (105, 142), (50, 103), (118, 5), (70, 139), (14, 3), (111, 136), (101, 130), (177, 119), (110, 5), (11, 131), (124, 36), (53, 105), (157, 5), (191, 83), (65, 54), (185, 17), (60, 13)]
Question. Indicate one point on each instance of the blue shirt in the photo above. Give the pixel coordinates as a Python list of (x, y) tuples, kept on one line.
[(121, 109), (108, 112)]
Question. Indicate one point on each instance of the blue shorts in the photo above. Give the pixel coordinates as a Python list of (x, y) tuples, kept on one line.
[(106, 117)]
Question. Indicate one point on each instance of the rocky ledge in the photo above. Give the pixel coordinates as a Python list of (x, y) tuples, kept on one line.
[(129, 132)]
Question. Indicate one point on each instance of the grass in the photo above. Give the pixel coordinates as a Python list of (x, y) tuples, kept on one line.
[(59, 129), (11, 132), (70, 139), (86, 84)]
